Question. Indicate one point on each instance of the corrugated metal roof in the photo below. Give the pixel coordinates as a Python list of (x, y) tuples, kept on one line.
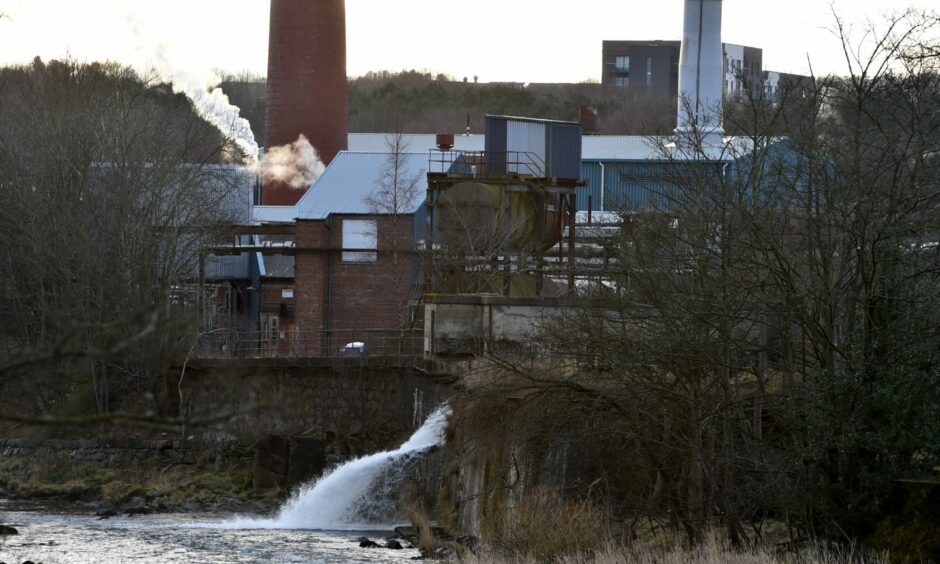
[(593, 147), (353, 184), (227, 267), (272, 214), (411, 142), (619, 147), (278, 266)]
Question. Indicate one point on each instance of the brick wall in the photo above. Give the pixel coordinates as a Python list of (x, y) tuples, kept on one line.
[(310, 269), (364, 295)]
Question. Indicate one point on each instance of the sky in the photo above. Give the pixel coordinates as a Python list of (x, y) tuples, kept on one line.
[(496, 40)]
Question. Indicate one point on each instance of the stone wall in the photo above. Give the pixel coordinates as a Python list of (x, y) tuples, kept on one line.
[(381, 403), (297, 417), (303, 417)]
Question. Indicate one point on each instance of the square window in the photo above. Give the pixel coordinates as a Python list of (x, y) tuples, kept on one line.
[(622, 63), (359, 234)]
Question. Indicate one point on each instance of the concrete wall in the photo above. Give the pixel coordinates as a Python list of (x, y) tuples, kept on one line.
[(456, 325)]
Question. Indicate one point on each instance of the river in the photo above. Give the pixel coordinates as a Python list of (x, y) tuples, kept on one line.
[(52, 536)]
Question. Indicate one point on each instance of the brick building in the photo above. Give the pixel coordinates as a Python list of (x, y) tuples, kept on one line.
[(356, 270)]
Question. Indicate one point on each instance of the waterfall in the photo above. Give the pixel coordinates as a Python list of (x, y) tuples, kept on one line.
[(357, 494)]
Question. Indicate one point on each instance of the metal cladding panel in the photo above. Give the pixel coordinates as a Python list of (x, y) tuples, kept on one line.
[(564, 151), (638, 186), (227, 267), (591, 173), (495, 143), (306, 81), (525, 141)]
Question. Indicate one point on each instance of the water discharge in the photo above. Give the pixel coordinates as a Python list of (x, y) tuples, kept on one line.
[(348, 497)]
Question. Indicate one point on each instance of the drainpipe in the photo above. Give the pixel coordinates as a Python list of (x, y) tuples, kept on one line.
[(329, 277), (603, 186)]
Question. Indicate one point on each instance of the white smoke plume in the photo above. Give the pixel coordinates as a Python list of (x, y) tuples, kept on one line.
[(296, 164), (197, 84), (214, 107)]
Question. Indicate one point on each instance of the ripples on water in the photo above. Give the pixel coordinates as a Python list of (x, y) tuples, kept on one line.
[(56, 538)]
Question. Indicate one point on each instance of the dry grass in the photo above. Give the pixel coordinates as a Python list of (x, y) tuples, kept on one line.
[(427, 542), (710, 552), (542, 525)]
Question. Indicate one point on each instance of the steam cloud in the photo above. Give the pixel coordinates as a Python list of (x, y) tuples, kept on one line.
[(214, 107), (296, 164), (195, 83)]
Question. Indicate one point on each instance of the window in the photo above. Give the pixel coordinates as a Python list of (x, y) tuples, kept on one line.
[(622, 63), (359, 234), (287, 293), (649, 72), (621, 82)]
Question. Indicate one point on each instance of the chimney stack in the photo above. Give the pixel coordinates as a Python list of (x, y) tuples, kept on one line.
[(589, 120), (306, 82), (701, 74)]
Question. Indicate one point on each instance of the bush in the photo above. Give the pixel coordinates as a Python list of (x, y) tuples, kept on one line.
[(544, 526)]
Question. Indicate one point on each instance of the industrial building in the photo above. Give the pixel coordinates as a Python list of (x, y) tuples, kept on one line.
[(341, 266)]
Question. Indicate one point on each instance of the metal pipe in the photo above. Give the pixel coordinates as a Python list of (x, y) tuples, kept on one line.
[(329, 276), (603, 185)]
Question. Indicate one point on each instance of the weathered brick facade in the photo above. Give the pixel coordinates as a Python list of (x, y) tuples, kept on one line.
[(352, 297)]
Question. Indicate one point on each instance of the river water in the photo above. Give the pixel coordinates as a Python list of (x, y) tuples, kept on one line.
[(54, 537), (318, 523)]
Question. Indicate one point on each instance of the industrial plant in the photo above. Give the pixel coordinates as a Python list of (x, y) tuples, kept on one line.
[(396, 221), (529, 338)]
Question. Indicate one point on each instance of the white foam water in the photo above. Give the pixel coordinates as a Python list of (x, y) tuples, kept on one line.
[(336, 501)]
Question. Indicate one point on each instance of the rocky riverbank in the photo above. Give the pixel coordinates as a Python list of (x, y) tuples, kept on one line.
[(132, 480)]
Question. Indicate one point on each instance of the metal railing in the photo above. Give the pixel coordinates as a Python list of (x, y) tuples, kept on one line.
[(225, 343), (483, 163)]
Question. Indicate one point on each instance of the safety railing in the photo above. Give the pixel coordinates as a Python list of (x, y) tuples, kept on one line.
[(486, 163), (225, 343)]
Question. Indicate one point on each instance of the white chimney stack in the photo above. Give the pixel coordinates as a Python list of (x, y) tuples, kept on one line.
[(701, 74)]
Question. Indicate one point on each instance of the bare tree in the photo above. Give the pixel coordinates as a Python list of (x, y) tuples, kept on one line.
[(110, 192), (764, 339)]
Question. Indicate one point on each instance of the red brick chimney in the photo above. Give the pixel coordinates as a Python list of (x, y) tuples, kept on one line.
[(306, 82)]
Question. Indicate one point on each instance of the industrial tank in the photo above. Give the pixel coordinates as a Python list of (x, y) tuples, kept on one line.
[(485, 218)]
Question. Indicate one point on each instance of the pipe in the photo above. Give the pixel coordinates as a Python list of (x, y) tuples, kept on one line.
[(603, 186), (328, 313)]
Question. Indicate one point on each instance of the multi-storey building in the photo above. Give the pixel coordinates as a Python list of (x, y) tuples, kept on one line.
[(652, 67)]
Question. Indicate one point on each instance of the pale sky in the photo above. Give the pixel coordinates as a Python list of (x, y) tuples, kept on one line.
[(498, 40)]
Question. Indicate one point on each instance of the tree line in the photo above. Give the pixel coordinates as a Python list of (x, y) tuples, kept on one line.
[(764, 344), (111, 187)]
